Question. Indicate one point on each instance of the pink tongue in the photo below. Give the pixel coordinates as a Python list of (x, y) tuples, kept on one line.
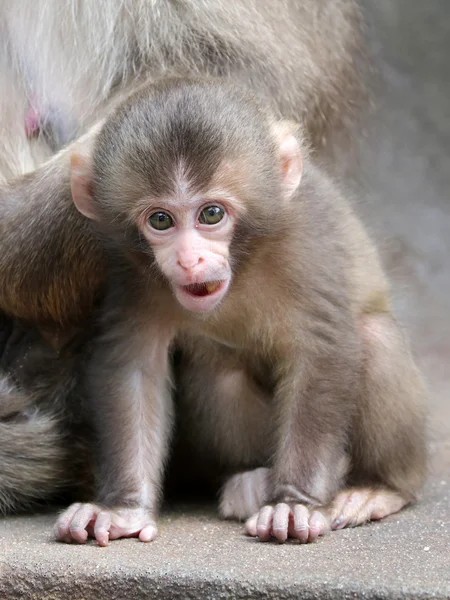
[(197, 289)]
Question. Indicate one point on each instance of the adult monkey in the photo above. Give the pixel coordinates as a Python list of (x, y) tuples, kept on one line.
[(64, 64)]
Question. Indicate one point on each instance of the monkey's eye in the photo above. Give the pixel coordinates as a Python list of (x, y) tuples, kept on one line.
[(211, 215), (160, 221)]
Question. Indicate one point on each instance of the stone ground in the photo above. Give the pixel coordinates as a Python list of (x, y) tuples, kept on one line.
[(406, 203)]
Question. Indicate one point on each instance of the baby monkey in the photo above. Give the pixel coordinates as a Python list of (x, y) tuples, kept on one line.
[(228, 243)]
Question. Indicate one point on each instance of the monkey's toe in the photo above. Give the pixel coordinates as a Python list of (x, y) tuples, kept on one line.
[(319, 524), (148, 534), (264, 523), (355, 506), (63, 524), (280, 522)]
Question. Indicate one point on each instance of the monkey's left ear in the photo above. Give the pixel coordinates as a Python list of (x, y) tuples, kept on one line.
[(290, 156), (81, 185)]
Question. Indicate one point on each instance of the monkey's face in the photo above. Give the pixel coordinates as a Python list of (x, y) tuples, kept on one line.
[(200, 170), (190, 238)]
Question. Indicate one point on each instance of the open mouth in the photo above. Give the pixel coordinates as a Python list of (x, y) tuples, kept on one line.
[(202, 289), (201, 297)]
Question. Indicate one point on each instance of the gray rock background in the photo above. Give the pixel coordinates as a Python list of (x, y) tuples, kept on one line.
[(406, 203), (406, 200)]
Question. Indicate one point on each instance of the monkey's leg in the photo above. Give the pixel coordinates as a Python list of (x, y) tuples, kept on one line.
[(223, 413), (132, 411), (390, 441), (388, 446), (388, 455), (228, 414), (224, 419)]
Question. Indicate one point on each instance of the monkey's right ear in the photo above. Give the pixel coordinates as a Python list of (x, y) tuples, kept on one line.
[(81, 185), (290, 156)]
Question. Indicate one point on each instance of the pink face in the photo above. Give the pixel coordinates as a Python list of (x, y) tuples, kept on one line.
[(190, 240), (190, 233)]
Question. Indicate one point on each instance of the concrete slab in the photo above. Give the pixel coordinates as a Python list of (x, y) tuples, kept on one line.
[(406, 202), (197, 556)]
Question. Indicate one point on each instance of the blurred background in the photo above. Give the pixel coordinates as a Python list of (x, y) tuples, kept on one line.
[(406, 198)]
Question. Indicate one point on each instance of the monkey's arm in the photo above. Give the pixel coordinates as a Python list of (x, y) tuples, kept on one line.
[(315, 406), (128, 383), (51, 266)]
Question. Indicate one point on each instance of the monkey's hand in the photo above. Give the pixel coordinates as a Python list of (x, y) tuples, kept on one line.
[(282, 521), (81, 521)]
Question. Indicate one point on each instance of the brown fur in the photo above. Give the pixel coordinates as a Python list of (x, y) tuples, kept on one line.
[(306, 59), (293, 369), (43, 432), (60, 290), (306, 69)]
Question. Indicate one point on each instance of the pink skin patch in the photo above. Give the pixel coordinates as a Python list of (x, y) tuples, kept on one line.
[(32, 122)]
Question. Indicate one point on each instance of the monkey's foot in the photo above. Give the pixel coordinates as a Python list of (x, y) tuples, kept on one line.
[(243, 494), (294, 521), (81, 521), (355, 506)]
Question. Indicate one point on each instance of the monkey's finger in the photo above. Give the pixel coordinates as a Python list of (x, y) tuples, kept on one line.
[(250, 525), (102, 527), (148, 533), (280, 523), (264, 523), (62, 526), (301, 523), (80, 522), (318, 525)]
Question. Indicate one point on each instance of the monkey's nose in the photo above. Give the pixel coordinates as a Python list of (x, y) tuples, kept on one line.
[(189, 262)]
